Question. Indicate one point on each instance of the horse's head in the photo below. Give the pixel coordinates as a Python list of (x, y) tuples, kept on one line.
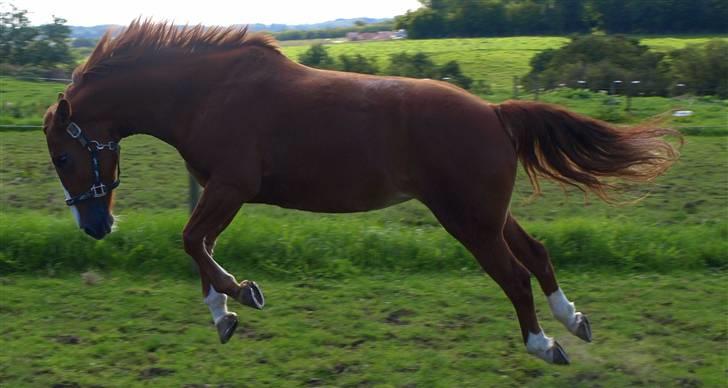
[(86, 158)]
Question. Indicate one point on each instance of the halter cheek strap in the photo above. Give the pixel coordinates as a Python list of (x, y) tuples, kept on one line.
[(98, 189)]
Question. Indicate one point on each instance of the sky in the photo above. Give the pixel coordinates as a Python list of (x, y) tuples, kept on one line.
[(210, 12)]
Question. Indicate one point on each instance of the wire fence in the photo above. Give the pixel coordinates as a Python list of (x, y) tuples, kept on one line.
[(44, 79)]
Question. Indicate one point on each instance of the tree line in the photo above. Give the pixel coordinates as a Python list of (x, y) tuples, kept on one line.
[(33, 47), (450, 18), (329, 33), (623, 65), (417, 65)]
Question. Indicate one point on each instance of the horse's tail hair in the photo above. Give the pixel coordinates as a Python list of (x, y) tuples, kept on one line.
[(583, 152)]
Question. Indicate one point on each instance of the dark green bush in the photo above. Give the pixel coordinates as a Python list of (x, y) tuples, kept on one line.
[(598, 61)]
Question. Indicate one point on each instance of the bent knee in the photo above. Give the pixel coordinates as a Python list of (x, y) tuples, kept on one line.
[(191, 242)]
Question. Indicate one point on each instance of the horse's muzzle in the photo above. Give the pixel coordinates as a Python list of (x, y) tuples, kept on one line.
[(99, 231), (100, 222)]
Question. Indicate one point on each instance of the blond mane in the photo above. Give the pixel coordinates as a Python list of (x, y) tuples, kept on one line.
[(144, 37)]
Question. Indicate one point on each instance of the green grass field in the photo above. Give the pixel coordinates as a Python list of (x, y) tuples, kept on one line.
[(384, 331), (384, 298)]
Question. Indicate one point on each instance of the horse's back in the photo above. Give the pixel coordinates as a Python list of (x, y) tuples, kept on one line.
[(353, 142)]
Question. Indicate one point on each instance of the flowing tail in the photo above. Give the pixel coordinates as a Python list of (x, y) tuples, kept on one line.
[(580, 151)]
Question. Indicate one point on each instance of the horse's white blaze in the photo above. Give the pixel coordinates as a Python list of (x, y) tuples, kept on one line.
[(74, 211), (217, 303), (562, 309), (539, 343)]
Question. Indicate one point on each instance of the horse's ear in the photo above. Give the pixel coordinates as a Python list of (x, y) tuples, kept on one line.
[(62, 116), (60, 96)]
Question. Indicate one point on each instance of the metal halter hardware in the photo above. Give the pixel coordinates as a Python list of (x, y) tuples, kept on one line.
[(98, 189)]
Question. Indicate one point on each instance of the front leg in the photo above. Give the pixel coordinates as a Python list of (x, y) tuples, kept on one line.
[(217, 207)]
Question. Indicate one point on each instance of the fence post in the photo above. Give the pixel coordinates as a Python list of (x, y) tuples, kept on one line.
[(194, 192)]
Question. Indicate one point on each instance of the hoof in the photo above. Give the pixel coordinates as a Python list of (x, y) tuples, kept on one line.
[(226, 326), (583, 328), (557, 355), (251, 295)]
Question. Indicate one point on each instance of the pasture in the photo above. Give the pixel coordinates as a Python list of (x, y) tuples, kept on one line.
[(384, 298), (442, 330)]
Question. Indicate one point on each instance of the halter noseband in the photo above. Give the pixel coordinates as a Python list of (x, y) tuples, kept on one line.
[(98, 189)]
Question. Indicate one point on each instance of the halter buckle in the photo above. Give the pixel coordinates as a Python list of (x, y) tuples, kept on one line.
[(98, 190), (111, 146), (73, 130)]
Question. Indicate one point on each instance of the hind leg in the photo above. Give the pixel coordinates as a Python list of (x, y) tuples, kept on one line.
[(534, 256), (480, 229)]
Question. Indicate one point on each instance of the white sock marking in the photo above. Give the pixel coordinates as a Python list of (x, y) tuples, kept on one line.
[(539, 343), (562, 309), (217, 303), (74, 211)]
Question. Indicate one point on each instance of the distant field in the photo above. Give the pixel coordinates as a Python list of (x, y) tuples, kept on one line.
[(455, 330)]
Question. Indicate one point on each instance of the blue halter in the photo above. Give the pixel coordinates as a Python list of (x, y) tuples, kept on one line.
[(98, 189)]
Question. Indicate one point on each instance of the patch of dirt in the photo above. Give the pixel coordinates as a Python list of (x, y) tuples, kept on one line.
[(357, 343), (720, 337), (91, 278), (395, 317), (249, 332), (68, 339), (688, 382), (458, 322), (661, 319), (314, 382), (66, 384), (340, 368), (533, 373), (587, 379), (151, 373)]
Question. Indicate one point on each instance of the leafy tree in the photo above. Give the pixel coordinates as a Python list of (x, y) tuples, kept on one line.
[(15, 35), (50, 46), (451, 72), (439, 18), (418, 65), (317, 56), (358, 64), (45, 46), (701, 69), (598, 61)]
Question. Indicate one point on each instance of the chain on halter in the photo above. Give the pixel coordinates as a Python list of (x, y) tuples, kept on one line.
[(98, 189)]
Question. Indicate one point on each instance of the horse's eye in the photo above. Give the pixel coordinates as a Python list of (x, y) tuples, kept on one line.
[(61, 161)]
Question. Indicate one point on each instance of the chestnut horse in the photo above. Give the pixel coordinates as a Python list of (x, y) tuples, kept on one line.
[(256, 127)]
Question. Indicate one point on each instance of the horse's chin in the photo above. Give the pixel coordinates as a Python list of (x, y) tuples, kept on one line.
[(100, 227)]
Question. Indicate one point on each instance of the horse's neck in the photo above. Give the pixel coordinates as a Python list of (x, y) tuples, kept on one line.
[(133, 107), (163, 104)]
